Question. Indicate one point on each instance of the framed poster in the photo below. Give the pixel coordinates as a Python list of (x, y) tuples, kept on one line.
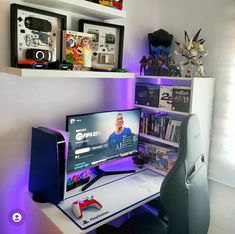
[(107, 43), (35, 34)]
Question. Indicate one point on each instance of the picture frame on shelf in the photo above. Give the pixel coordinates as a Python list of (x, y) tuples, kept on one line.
[(107, 43), (36, 35)]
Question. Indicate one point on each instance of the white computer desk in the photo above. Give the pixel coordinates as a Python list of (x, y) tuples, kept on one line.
[(118, 194)]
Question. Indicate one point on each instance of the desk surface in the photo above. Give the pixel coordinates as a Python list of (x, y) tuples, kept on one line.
[(118, 194)]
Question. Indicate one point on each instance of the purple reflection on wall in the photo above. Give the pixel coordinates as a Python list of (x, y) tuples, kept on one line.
[(13, 197)]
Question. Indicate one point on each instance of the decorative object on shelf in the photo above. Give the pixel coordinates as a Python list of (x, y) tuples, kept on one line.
[(172, 69), (119, 70), (150, 66), (159, 62), (32, 63), (112, 3), (35, 34), (159, 43), (143, 64), (107, 43), (57, 65), (193, 51), (188, 72), (77, 49)]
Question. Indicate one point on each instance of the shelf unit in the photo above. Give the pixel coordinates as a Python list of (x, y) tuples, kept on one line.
[(67, 74), (82, 7), (201, 104)]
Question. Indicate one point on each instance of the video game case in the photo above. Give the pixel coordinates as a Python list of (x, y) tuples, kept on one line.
[(77, 48), (165, 158), (181, 99), (147, 94), (165, 97)]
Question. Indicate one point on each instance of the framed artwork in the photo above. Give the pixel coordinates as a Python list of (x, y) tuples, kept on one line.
[(107, 43), (35, 34)]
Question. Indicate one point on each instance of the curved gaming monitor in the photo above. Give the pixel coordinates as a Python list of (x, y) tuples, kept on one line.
[(98, 138)]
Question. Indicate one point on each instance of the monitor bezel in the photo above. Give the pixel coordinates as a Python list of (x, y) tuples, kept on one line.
[(107, 161)]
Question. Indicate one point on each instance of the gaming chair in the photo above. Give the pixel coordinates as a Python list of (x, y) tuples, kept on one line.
[(183, 194)]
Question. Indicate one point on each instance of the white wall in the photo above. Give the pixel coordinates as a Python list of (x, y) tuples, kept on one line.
[(41, 101)]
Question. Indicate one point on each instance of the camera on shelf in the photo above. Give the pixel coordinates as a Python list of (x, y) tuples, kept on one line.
[(43, 55)]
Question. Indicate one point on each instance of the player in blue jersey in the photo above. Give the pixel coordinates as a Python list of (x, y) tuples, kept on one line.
[(116, 140)]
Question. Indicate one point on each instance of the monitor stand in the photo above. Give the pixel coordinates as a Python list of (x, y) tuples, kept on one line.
[(100, 173)]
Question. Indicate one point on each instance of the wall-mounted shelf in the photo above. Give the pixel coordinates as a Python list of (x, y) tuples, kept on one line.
[(82, 7), (160, 140), (155, 109), (67, 74)]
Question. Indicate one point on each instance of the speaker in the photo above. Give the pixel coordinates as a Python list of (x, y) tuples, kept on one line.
[(47, 165)]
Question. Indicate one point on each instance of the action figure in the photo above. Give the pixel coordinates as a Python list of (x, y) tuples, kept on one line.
[(173, 70), (192, 50), (151, 68), (188, 72), (143, 64), (160, 69)]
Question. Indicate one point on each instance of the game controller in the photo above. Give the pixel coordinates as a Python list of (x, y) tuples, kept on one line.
[(78, 206)]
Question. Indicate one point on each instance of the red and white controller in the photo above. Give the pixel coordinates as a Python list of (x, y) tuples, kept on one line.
[(78, 206)]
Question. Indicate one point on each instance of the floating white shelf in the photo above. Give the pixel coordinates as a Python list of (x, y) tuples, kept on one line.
[(160, 140), (67, 74), (155, 109), (82, 7)]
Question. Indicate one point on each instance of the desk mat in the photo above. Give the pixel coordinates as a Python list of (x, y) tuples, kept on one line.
[(115, 197)]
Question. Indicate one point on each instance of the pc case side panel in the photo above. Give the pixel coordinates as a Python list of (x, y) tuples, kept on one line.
[(44, 180)]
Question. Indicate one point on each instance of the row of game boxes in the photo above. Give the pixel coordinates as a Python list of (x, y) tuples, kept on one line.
[(160, 125), (162, 157), (175, 98)]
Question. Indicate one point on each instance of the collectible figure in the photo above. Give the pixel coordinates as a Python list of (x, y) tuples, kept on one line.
[(173, 70), (143, 64), (151, 67), (192, 50), (188, 72), (160, 70), (159, 43)]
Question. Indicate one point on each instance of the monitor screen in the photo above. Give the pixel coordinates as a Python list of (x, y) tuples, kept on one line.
[(100, 137)]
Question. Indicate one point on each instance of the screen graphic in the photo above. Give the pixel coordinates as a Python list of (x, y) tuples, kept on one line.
[(100, 137)]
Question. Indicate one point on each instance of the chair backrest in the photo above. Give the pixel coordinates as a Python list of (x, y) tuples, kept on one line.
[(184, 191)]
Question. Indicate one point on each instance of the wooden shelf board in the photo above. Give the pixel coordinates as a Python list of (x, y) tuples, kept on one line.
[(82, 7), (67, 74)]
